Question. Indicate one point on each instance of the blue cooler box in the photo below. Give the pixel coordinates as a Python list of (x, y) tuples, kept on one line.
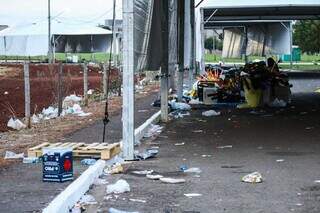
[(57, 165)]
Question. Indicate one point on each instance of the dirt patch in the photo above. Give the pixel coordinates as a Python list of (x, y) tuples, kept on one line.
[(44, 87)]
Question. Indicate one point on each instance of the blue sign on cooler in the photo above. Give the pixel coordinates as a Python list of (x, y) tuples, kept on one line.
[(57, 164)]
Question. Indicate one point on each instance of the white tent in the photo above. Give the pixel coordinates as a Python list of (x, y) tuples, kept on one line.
[(32, 39)]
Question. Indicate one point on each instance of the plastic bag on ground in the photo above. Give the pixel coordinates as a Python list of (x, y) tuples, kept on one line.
[(16, 124), (254, 177), (210, 113), (35, 119), (70, 100), (193, 170), (153, 131), (50, 112), (87, 200), (149, 153), (180, 106), (113, 210), (12, 155), (119, 187), (172, 180), (88, 161)]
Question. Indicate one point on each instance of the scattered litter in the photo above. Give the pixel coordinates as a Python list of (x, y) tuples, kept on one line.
[(178, 114), (191, 195), (317, 181), (154, 177), (114, 169), (12, 155), (193, 170), (309, 128), (119, 187), (113, 210), (16, 124), (6, 93), (149, 153), (179, 144), (70, 100), (299, 204), (30, 160), (195, 102), (254, 177), (225, 147), (280, 160), (172, 180), (278, 103), (35, 119), (88, 161), (206, 156), (50, 113), (179, 106), (143, 110), (100, 181), (153, 131), (137, 200), (144, 172), (197, 131), (211, 113), (90, 91), (87, 200)]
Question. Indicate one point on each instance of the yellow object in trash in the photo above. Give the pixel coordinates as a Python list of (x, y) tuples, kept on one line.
[(252, 96)]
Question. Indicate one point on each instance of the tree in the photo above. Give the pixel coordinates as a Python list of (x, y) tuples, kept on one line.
[(208, 44), (307, 36)]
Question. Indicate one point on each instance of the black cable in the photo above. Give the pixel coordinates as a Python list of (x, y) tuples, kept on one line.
[(106, 119)]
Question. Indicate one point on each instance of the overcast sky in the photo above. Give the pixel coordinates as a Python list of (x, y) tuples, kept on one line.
[(76, 12)]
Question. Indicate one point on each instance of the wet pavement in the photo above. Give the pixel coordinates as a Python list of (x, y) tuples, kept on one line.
[(282, 144)]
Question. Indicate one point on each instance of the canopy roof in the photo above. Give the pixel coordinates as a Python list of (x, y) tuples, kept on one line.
[(57, 29)]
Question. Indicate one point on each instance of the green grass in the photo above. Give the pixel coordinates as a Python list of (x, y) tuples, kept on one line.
[(96, 57)]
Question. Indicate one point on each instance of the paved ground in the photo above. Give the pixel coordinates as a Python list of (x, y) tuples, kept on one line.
[(258, 141), (21, 186)]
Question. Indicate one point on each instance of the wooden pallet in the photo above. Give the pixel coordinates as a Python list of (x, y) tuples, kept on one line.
[(103, 151)]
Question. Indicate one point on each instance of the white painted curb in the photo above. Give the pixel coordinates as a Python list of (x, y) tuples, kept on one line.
[(72, 194), (141, 130)]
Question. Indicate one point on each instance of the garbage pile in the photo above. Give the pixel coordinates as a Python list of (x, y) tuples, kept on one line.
[(264, 85), (256, 84)]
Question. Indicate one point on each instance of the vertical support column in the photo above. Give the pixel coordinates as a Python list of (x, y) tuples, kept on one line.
[(128, 80), (291, 44), (85, 84), (105, 80), (60, 95), (27, 94), (165, 60), (181, 7), (202, 65), (246, 45), (193, 44), (173, 51)]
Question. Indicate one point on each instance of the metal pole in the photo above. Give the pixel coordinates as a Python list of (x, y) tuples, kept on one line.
[(60, 95), (105, 81), (193, 59), (114, 36), (181, 7), (85, 84), (128, 80), (291, 44), (49, 33), (202, 65)]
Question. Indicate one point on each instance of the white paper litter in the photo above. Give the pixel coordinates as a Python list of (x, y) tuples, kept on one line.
[(113, 210), (211, 113), (172, 180), (90, 91), (225, 147), (153, 131), (144, 172), (35, 119), (100, 181), (87, 200), (254, 177), (154, 177), (177, 114), (16, 124), (137, 200), (278, 103), (317, 181), (180, 106), (119, 187), (195, 101), (190, 195), (179, 144), (193, 170), (12, 155), (280, 160)]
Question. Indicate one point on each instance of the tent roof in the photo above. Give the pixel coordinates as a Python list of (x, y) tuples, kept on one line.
[(57, 29), (252, 10)]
